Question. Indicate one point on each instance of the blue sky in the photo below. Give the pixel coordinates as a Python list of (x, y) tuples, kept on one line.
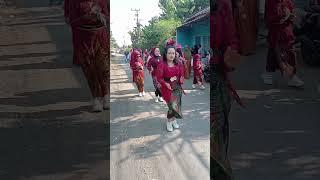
[(122, 19)]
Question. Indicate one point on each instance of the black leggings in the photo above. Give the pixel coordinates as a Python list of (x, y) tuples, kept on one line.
[(158, 92)]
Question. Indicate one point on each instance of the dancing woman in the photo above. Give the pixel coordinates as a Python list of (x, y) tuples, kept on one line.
[(223, 41), (152, 66), (137, 67), (170, 75)]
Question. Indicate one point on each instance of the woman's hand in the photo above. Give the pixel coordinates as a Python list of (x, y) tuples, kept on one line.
[(173, 78), (168, 86), (139, 66)]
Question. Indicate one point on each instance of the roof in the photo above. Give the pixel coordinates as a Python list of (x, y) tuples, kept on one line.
[(204, 13)]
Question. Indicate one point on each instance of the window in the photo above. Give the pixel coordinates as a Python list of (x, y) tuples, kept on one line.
[(197, 40), (205, 40)]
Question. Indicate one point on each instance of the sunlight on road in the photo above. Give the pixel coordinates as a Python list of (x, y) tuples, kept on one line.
[(141, 148)]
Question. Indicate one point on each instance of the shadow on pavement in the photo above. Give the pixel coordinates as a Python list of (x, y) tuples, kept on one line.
[(34, 23), (52, 144), (47, 97), (23, 44), (274, 137), (38, 150), (21, 56), (143, 124), (42, 65)]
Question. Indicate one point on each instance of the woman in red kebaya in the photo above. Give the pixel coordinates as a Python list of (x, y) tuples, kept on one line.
[(90, 35), (223, 42), (170, 75), (137, 67), (279, 19), (152, 66), (197, 72)]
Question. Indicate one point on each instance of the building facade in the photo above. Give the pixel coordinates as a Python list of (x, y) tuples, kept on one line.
[(195, 30)]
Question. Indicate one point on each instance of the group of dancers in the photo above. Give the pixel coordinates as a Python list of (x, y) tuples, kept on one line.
[(168, 75)]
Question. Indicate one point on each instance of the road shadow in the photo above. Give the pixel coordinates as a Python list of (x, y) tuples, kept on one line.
[(30, 55), (276, 154), (41, 65), (47, 97), (35, 23), (53, 143), (34, 149), (128, 127), (23, 44), (273, 137), (149, 124)]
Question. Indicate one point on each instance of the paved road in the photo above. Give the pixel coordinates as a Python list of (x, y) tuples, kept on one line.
[(276, 136), (141, 148), (46, 131)]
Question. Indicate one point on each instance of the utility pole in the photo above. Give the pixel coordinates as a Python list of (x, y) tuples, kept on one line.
[(124, 42), (138, 24), (137, 16)]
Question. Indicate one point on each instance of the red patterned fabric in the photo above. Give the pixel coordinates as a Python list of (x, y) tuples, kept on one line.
[(279, 32), (137, 65), (152, 65), (197, 66), (166, 72), (90, 37), (223, 34), (86, 13)]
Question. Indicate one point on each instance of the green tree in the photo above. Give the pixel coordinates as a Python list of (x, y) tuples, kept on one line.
[(164, 27), (135, 36), (113, 42), (168, 8), (157, 32), (181, 9)]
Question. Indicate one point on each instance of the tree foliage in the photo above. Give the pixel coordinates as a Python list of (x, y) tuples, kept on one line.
[(164, 27), (158, 31), (136, 37), (181, 9), (113, 42)]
